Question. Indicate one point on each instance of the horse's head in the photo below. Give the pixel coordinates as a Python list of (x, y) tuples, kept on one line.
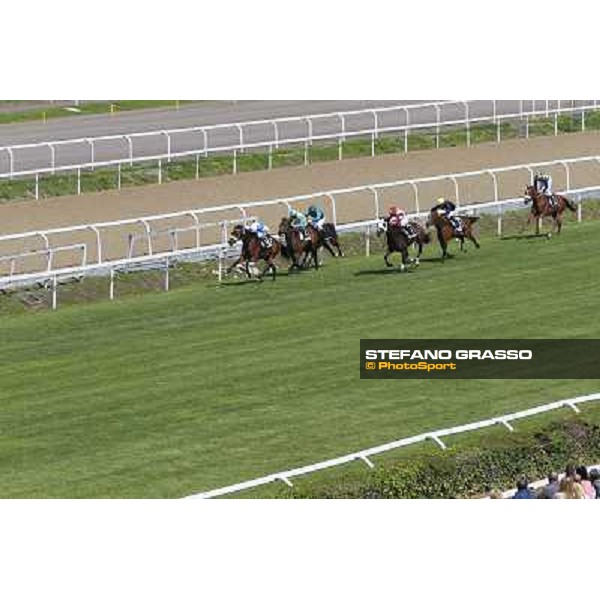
[(284, 226), (382, 226), (530, 194), (236, 234)]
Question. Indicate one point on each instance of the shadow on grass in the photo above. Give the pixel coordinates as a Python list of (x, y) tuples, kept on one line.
[(385, 271), (525, 236)]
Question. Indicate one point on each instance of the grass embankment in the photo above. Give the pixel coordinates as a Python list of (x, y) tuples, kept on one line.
[(82, 109), (166, 394), (143, 174)]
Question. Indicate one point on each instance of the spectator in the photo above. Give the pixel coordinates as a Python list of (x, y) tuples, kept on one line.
[(588, 488), (523, 492), (569, 490), (492, 493), (548, 492), (595, 481)]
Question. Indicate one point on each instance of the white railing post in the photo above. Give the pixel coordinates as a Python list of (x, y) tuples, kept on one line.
[(78, 181), (166, 133), (37, 186), (98, 243), (241, 134), (310, 129), (375, 200), (368, 241), (498, 209), (111, 288), (159, 170), (375, 123), (234, 161), (438, 114), (276, 132), (555, 123), (130, 149), (52, 157), (54, 292), (167, 274), (11, 161), (406, 130), (92, 153), (205, 141), (416, 193), (333, 208), (568, 172), (119, 176), (467, 125), (343, 123)]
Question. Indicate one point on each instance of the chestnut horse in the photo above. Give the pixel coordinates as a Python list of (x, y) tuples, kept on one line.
[(445, 230), (253, 251), (542, 207)]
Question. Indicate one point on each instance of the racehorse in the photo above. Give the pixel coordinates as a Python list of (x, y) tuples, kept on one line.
[(445, 230), (397, 241), (541, 207), (253, 251), (328, 238), (295, 248)]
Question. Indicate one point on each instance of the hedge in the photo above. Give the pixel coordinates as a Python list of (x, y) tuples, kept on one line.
[(466, 472)]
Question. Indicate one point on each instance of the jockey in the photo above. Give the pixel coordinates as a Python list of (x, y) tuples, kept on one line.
[(261, 231), (397, 218), (298, 221), (447, 208), (316, 217), (543, 185)]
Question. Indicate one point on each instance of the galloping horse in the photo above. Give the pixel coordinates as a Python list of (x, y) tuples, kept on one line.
[(328, 238), (445, 230), (253, 251), (541, 207), (296, 248), (397, 241)]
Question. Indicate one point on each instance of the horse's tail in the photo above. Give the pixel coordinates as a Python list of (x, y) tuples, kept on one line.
[(426, 237), (570, 205), (471, 219)]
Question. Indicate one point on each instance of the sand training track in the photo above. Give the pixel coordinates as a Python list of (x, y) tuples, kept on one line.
[(262, 185)]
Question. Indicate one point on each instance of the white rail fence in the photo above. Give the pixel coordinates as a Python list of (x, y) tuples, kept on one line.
[(196, 222), (202, 150), (366, 454)]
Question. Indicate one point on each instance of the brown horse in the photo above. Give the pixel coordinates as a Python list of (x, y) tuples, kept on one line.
[(397, 240), (445, 230), (542, 207), (253, 251), (297, 248)]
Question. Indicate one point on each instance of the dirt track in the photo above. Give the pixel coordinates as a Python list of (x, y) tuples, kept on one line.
[(156, 199)]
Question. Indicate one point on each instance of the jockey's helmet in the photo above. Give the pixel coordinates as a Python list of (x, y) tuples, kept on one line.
[(393, 210), (439, 201)]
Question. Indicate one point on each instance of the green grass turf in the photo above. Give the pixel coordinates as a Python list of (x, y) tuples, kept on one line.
[(167, 394)]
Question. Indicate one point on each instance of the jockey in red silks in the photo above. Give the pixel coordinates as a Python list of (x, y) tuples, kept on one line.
[(398, 218)]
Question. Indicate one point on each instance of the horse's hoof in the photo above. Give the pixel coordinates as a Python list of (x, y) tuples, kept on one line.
[(548, 235)]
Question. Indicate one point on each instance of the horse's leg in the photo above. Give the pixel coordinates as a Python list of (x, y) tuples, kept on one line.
[(386, 257), (234, 265), (405, 259), (328, 247)]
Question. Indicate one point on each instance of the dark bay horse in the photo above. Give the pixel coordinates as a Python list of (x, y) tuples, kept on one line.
[(445, 230), (298, 249), (397, 241), (329, 239), (541, 207), (253, 251)]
